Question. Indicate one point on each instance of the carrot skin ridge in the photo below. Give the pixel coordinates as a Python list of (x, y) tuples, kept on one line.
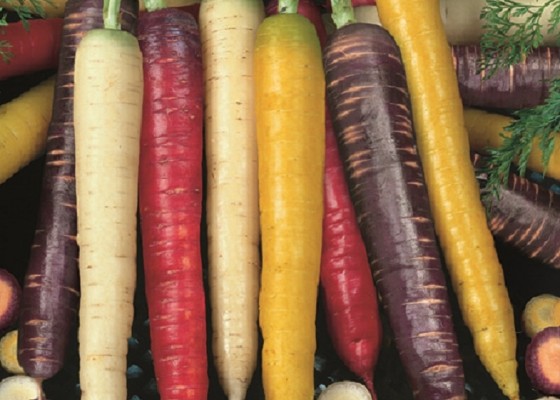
[(525, 216), (523, 85), (170, 199), (460, 219), (348, 291), (51, 285), (32, 50), (290, 101), (368, 98)]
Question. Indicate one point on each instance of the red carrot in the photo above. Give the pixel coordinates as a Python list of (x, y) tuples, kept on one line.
[(520, 86), (368, 97), (349, 294), (51, 286), (171, 200), (30, 49)]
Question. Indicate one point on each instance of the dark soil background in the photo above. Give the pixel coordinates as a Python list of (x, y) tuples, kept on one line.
[(18, 207)]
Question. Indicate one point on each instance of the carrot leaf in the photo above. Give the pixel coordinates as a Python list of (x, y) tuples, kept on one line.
[(513, 29), (540, 123)]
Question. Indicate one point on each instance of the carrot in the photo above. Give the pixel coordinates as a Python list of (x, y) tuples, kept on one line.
[(345, 390), (368, 98), (485, 130), (23, 128), (8, 353), (30, 49), (170, 198), (541, 360), (459, 216), (349, 294), (228, 32), (522, 85), (10, 299), (51, 284), (525, 216), (55, 8), (108, 95), (310, 10), (290, 103), (540, 312), (20, 387)]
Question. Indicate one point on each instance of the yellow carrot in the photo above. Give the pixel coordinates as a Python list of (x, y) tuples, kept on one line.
[(485, 129), (459, 215), (107, 117), (290, 98), (23, 128), (228, 31)]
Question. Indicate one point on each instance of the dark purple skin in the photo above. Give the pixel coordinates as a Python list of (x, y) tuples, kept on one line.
[(526, 216), (537, 372), (523, 85), (368, 98), (51, 285)]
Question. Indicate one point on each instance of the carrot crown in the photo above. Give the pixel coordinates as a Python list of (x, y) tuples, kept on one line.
[(287, 6), (111, 18), (342, 13), (153, 5)]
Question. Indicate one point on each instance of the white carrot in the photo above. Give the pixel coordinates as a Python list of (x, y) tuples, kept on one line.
[(228, 32), (107, 118)]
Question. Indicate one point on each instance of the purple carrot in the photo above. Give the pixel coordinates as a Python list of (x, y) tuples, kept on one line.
[(51, 285), (523, 85), (369, 102), (526, 216)]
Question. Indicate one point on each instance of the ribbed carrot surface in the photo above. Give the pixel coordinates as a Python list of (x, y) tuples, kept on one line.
[(459, 215), (290, 103)]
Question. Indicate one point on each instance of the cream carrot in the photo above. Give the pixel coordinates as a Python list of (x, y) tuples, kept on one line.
[(228, 32), (107, 117)]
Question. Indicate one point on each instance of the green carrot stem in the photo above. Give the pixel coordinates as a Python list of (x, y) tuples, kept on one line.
[(153, 5), (342, 13), (287, 6), (111, 10)]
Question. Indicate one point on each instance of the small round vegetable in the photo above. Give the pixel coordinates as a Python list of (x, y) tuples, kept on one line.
[(540, 312), (542, 361), (10, 297), (20, 387), (345, 390), (8, 353)]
